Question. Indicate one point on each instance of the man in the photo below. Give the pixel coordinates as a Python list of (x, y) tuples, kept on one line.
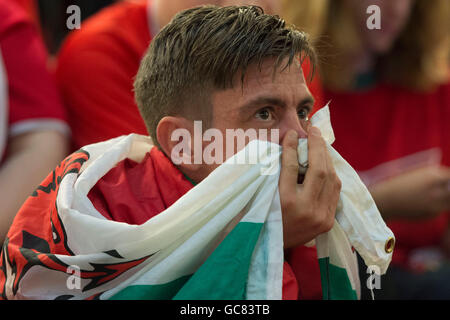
[(231, 68), (33, 132), (97, 65)]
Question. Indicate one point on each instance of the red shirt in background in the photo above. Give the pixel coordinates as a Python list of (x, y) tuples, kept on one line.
[(31, 8), (387, 130), (29, 99), (96, 68)]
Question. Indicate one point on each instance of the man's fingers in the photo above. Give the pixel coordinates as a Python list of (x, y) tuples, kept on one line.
[(317, 167), (289, 162), (333, 184)]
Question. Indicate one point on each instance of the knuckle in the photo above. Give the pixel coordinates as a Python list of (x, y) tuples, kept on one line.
[(309, 214), (328, 225), (325, 225), (331, 176), (291, 144), (288, 203), (325, 222), (338, 183), (317, 224), (330, 222), (291, 166), (321, 142), (321, 174)]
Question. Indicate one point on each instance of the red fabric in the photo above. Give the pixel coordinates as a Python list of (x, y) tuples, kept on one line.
[(314, 86), (387, 123), (290, 284), (95, 72), (30, 7), (135, 192), (305, 266), (31, 90)]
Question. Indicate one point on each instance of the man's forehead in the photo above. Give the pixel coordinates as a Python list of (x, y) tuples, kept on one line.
[(266, 75), (286, 84)]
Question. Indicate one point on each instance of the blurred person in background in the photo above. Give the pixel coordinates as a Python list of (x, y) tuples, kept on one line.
[(390, 109), (31, 9), (309, 16), (33, 131), (50, 18), (53, 18)]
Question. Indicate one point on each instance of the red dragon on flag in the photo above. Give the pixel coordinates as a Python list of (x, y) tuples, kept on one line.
[(30, 243)]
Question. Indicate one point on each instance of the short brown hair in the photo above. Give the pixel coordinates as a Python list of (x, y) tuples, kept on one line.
[(203, 49)]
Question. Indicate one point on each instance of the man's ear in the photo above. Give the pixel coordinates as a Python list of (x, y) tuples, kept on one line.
[(176, 137)]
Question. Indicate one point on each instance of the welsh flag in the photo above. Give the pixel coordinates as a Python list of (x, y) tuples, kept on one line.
[(222, 240)]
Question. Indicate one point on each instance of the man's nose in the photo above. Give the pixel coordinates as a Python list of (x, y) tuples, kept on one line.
[(292, 122)]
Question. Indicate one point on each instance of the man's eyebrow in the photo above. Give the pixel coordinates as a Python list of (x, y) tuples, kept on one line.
[(261, 101), (308, 101), (271, 100)]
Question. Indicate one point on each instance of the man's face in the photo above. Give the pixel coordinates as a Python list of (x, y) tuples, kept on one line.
[(264, 102)]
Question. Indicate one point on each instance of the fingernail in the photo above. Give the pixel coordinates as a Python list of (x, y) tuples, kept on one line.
[(315, 131)]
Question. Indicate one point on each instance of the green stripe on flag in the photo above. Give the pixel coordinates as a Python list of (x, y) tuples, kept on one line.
[(151, 292), (335, 282), (224, 274)]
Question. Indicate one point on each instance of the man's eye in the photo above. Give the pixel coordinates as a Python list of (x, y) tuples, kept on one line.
[(264, 114), (303, 113)]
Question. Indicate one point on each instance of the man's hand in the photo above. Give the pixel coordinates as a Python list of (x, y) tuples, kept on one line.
[(309, 208), (417, 194)]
